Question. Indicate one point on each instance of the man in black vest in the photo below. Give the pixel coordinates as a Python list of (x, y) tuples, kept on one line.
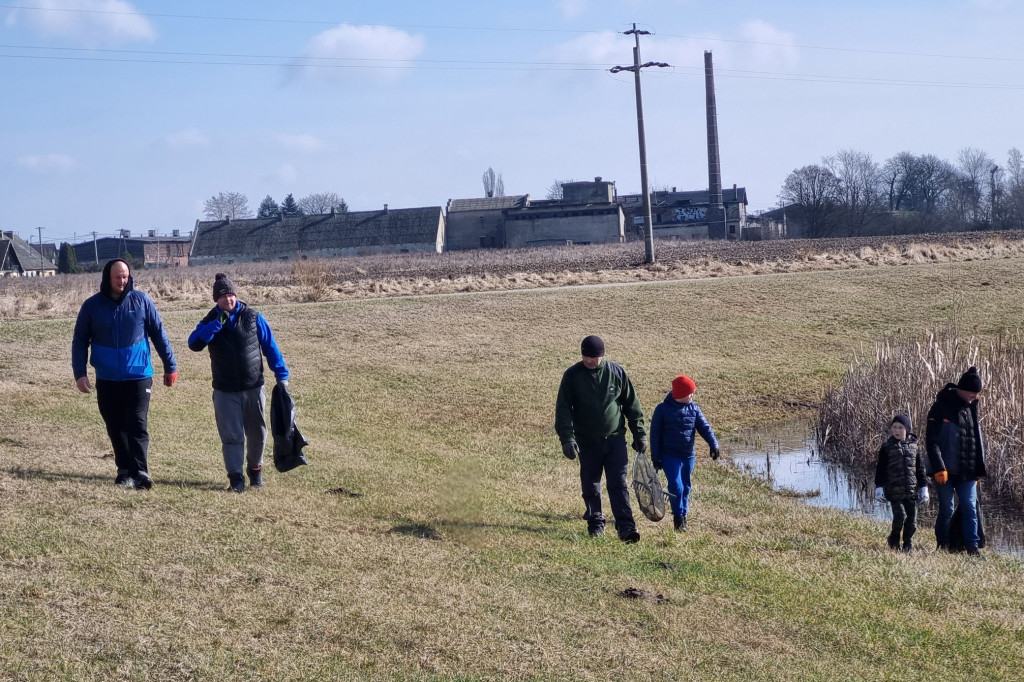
[(238, 337)]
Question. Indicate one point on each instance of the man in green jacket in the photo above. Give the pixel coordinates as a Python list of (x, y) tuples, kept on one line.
[(595, 400)]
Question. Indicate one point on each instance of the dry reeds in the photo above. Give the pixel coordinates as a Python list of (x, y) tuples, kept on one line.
[(904, 375)]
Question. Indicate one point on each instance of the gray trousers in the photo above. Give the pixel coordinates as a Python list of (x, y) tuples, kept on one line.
[(240, 417)]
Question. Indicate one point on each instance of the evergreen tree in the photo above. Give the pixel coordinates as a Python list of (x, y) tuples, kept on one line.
[(67, 261), (268, 208), (290, 207)]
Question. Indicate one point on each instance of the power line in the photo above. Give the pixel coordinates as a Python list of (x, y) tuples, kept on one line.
[(321, 22)]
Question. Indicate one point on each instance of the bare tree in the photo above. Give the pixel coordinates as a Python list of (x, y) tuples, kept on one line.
[(494, 186), (227, 204), (898, 176), (815, 191), (858, 177), (973, 173), (319, 203), (555, 188)]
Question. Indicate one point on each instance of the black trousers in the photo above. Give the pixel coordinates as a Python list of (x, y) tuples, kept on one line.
[(124, 406), (904, 518), (608, 457)]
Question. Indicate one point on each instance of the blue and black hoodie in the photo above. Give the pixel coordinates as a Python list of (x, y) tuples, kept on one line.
[(119, 331)]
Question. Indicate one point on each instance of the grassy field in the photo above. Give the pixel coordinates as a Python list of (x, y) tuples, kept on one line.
[(463, 555)]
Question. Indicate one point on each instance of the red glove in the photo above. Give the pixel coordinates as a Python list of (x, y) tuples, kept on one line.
[(941, 477), (170, 378)]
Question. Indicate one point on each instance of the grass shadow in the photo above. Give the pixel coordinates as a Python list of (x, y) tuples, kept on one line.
[(66, 476)]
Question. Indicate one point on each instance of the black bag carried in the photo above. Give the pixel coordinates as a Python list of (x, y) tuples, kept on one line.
[(288, 441)]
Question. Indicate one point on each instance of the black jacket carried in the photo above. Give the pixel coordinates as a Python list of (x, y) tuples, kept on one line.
[(900, 469), (953, 437), (288, 441)]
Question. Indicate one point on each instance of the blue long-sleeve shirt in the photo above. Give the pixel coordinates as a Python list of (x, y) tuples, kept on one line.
[(205, 331)]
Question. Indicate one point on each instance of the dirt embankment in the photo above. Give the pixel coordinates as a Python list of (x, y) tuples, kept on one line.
[(494, 270)]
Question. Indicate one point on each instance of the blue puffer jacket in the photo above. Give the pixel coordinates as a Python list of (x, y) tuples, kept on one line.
[(119, 333), (674, 426)]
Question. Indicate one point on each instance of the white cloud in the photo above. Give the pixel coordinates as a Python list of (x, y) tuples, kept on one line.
[(189, 137), (47, 163), (363, 52), (298, 142), (91, 22), (774, 49), (572, 8)]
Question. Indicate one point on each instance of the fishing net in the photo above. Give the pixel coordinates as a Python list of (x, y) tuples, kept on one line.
[(649, 493)]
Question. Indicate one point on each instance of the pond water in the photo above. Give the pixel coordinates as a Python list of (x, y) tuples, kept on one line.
[(787, 455)]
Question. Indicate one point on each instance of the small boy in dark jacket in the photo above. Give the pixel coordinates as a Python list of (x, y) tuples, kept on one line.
[(673, 427), (900, 479)]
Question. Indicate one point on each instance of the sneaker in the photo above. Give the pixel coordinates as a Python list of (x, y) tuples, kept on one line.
[(124, 481), (237, 483), (679, 523), (143, 483), (631, 538), (596, 531), (255, 477)]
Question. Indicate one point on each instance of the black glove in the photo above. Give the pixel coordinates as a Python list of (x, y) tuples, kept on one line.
[(657, 464), (640, 445), (570, 449), (714, 453)]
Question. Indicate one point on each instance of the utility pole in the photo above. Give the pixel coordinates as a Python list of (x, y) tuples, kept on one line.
[(992, 185), (95, 249), (637, 66), (40, 251)]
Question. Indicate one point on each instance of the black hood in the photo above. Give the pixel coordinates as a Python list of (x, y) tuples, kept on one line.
[(949, 396), (105, 282)]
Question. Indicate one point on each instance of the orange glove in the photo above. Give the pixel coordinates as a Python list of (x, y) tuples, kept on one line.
[(941, 477), (170, 378)]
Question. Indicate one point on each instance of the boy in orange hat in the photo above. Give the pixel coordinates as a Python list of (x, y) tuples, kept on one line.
[(674, 426)]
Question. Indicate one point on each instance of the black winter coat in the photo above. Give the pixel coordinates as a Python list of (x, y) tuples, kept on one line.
[(952, 425), (900, 469)]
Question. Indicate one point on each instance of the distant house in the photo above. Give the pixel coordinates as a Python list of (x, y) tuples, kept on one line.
[(479, 223), (683, 215), (153, 250), (354, 233), (587, 213), (19, 259)]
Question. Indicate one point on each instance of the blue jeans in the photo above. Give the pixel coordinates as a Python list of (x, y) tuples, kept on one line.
[(967, 492), (678, 473)]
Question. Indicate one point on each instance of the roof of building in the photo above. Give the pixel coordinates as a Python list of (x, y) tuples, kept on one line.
[(28, 257), (488, 203), (290, 234), (697, 196)]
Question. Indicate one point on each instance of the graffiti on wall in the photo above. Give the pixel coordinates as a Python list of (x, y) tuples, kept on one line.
[(689, 214)]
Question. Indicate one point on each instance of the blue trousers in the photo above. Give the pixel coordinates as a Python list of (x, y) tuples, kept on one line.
[(967, 492), (678, 473)]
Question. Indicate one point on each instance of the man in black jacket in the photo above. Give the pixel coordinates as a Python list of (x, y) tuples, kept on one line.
[(956, 456), (236, 335), (595, 399)]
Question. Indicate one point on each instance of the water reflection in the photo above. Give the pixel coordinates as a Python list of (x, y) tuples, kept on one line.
[(786, 454)]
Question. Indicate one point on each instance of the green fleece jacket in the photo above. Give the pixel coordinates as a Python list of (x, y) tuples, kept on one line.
[(594, 404)]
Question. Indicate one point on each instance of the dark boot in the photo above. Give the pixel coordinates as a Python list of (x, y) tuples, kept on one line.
[(255, 477), (974, 553), (596, 531), (679, 523), (894, 541), (908, 546), (237, 482), (630, 538)]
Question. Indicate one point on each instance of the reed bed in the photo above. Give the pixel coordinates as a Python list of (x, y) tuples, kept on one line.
[(904, 374)]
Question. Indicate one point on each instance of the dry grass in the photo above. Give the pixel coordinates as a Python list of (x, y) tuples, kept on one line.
[(318, 280), (465, 557)]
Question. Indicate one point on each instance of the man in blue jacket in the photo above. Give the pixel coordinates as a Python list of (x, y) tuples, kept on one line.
[(238, 337), (118, 323)]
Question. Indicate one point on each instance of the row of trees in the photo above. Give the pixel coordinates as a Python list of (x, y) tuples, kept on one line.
[(850, 194), (236, 205)]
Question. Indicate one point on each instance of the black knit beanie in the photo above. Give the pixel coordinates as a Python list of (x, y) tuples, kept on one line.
[(970, 381), (222, 285), (902, 419), (592, 347)]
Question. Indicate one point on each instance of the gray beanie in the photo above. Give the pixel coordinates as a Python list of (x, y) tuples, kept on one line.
[(222, 285)]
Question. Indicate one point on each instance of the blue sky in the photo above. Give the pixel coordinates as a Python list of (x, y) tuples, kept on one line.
[(129, 113)]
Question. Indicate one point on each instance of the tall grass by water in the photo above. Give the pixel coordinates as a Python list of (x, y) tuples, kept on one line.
[(904, 374)]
